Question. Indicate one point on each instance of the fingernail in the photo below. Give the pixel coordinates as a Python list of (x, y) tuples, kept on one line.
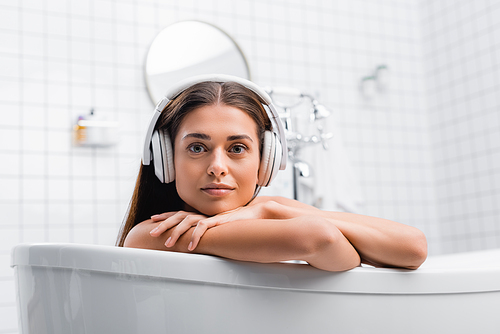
[(190, 247), (154, 216), (153, 230), (168, 241)]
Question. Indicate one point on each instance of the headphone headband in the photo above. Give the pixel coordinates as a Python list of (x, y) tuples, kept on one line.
[(178, 88)]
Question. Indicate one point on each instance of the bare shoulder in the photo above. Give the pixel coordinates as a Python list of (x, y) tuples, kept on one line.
[(280, 200), (139, 236), (263, 199)]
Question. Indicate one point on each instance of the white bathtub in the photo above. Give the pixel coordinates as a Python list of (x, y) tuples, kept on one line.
[(69, 288)]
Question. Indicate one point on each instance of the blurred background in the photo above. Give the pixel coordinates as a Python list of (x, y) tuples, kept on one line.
[(419, 145)]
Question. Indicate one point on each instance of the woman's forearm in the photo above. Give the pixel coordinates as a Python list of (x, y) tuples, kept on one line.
[(311, 239), (288, 229), (307, 238), (378, 241)]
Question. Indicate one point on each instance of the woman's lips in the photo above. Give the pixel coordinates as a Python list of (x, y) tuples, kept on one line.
[(215, 189)]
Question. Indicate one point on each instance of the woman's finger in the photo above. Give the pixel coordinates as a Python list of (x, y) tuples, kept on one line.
[(182, 228), (168, 223), (205, 224), (162, 216), (162, 227), (201, 228)]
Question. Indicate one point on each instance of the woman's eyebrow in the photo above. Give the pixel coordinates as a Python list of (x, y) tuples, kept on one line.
[(238, 137), (197, 135), (207, 137)]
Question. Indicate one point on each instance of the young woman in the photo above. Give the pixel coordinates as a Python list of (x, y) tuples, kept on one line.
[(212, 148)]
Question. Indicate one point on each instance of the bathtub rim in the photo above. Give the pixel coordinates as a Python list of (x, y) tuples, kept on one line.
[(438, 276)]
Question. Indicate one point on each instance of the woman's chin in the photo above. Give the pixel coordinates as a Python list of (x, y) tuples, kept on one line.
[(213, 207), (213, 210)]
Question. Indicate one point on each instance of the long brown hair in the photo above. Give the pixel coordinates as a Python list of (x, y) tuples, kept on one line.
[(153, 197)]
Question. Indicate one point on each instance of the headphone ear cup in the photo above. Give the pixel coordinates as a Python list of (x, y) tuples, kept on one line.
[(163, 160), (271, 158), (168, 156), (157, 156)]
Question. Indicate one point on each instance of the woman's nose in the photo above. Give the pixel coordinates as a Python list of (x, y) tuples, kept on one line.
[(218, 164)]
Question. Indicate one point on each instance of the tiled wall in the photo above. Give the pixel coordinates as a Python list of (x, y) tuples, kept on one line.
[(59, 59), (462, 52)]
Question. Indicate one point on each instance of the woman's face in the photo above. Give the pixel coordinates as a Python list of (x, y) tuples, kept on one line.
[(216, 159)]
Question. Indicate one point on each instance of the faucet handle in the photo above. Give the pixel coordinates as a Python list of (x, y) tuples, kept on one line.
[(324, 139)]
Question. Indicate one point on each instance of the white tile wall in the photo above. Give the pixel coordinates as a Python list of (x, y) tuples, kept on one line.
[(462, 69), (426, 148)]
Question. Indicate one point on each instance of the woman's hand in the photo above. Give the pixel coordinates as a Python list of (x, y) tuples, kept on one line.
[(253, 211), (181, 221)]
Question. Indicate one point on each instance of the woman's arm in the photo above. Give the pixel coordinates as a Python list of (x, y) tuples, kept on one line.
[(308, 238), (379, 242)]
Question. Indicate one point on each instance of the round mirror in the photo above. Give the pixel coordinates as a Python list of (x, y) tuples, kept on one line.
[(191, 48)]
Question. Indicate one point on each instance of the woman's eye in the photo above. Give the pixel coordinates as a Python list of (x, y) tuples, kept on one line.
[(238, 149), (196, 148)]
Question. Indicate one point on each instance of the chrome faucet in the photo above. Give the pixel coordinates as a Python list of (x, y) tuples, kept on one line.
[(296, 140)]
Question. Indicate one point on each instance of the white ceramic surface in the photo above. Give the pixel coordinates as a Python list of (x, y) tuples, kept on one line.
[(70, 288)]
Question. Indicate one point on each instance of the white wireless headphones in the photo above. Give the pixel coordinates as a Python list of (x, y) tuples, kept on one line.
[(158, 146)]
